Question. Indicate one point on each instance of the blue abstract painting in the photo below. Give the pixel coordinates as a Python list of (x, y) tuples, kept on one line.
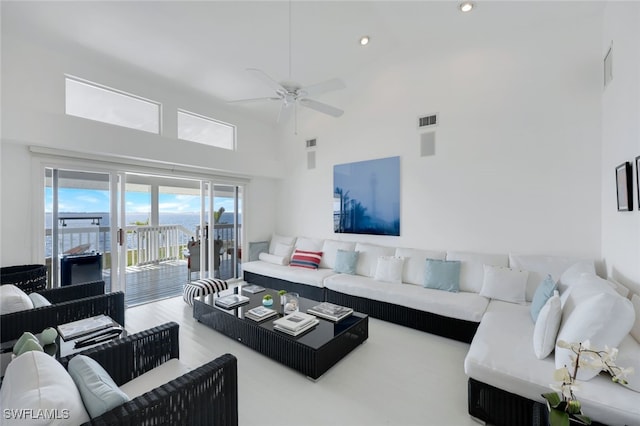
[(366, 197)]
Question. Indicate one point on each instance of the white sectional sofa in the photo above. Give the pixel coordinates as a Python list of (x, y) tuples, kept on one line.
[(491, 311)]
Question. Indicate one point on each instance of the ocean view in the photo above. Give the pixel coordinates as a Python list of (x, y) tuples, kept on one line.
[(188, 220)]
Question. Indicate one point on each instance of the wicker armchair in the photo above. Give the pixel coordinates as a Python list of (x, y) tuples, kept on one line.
[(68, 304), (28, 278), (207, 395)]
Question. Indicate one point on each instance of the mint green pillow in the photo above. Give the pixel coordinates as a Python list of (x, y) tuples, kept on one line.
[(543, 293), (38, 300), (98, 390), (442, 275), (346, 261), (26, 342)]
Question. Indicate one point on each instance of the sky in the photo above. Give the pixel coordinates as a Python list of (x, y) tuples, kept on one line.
[(91, 200)]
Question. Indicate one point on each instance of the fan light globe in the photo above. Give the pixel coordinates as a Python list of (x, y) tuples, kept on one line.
[(466, 6), (364, 40)]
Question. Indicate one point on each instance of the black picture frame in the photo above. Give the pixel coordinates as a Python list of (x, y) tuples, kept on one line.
[(638, 179), (624, 185)]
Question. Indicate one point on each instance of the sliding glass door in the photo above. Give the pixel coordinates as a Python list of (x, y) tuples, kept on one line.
[(144, 234)]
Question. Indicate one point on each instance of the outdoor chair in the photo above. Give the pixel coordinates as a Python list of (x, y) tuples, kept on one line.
[(207, 395), (70, 303)]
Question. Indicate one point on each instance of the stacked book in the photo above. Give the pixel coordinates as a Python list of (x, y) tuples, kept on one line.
[(330, 311), (231, 301), (260, 313), (85, 326), (253, 289), (296, 323)]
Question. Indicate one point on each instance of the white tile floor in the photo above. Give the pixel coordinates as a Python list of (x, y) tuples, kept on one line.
[(399, 376)]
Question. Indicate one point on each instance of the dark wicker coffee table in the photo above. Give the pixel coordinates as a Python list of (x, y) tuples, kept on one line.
[(312, 353)]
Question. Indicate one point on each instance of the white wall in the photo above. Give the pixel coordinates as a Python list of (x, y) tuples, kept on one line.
[(621, 141), (33, 114), (517, 164)]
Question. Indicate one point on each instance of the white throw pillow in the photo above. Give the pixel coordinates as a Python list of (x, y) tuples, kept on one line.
[(330, 250), (12, 299), (389, 269), (413, 271), (472, 267), (572, 274), (604, 319), (547, 326), (37, 381), (368, 258), (635, 330), (283, 250), (505, 284), (309, 244), (275, 239), (539, 266), (272, 258)]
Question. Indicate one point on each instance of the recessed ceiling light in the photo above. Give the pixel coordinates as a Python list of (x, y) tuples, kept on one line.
[(364, 40), (466, 6)]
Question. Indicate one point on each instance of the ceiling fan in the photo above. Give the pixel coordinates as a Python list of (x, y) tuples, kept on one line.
[(291, 94)]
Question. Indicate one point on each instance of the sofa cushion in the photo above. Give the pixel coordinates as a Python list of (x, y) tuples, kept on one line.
[(472, 267), (547, 326), (314, 277), (414, 268), (464, 305), (587, 286), (604, 319), (283, 250), (501, 355), (98, 390), (12, 299), (309, 244), (275, 259), (629, 357), (368, 255), (635, 330), (543, 293), (305, 259), (573, 273), (329, 250), (275, 239), (389, 269), (504, 283), (442, 275), (539, 266), (36, 381), (346, 262), (154, 378)]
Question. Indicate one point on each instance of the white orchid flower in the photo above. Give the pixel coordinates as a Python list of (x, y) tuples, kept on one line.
[(562, 375), (562, 344)]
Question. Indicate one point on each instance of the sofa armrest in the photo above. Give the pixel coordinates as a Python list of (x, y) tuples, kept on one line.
[(207, 395), (257, 247), (72, 292), (35, 320), (127, 358)]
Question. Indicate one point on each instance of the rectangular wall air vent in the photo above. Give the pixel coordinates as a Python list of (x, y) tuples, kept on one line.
[(427, 121), (311, 143)]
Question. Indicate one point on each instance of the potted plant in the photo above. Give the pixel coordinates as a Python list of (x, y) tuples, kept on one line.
[(564, 407), (282, 293), (267, 300)]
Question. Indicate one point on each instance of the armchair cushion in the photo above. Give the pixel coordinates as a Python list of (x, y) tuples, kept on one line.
[(155, 378), (35, 382), (12, 299), (98, 391)]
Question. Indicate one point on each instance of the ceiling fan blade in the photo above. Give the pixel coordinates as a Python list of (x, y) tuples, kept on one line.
[(260, 75), (285, 112), (324, 87), (319, 106), (240, 101)]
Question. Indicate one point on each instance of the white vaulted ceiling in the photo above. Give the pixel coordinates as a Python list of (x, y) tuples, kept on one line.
[(207, 45)]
